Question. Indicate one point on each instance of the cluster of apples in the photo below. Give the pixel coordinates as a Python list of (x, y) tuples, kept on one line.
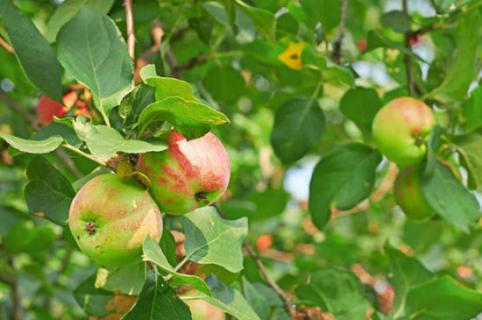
[(401, 130), (111, 216)]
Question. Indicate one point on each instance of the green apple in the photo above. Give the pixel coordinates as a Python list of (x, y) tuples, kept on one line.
[(409, 196), (189, 174), (401, 130), (110, 218)]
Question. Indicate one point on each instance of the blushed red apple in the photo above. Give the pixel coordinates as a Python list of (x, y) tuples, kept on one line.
[(409, 196), (189, 174), (401, 130), (110, 218)]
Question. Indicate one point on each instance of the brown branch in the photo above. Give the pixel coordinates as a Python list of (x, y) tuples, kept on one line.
[(14, 105), (262, 269), (131, 37), (6, 45), (16, 299), (336, 54), (68, 162)]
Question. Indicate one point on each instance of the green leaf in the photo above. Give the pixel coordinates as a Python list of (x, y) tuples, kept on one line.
[(152, 252), (92, 300), (360, 105), (473, 110), (168, 87), (128, 279), (225, 84), (338, 291), (33, 51), (256, 300), (229, 300), (33, 146), (443, 299), (104, 142), (325, 11), (158, 301), (91, 49), (193, 119), (407, 273), (264, 20), (148, 71), (269, 203), (168, 246), (298, 126), (211, 239), (449, 198), (396, 20), (136, 101), (48, 191), (68, 9), (460, 73), (470, 148), (342, 179)]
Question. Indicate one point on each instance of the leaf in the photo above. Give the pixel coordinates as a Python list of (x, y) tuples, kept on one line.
[(152, 252), (104, 142), (443, 299), (460, 73), (473, 110), (325, 11), (396, 20), (92, 300), (224, 83), (211, 239), (269, 203), (158, 301), (342, 179), (168, 246), (193, 119), (338, 291), (361, 105), (449, 198), (168, 87), (128, 279), (229, 300), (33, 51), (264, 20), (91, 49), (48, 191), (470, 149), (68, 9), (256, 300), (136, 101), (298, 126), (407, 273), (33, 146)]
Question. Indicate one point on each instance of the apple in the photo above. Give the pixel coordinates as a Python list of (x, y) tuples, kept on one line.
[(408, 194), (189, 174), (110, 218), (401, 130), (47, 108)]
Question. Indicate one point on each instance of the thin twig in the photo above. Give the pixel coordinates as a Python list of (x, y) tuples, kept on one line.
[(262, 269), (84, 154), (131, 37), (11, 281), (336, 54), (6, 45), (14, 105), (68, 162)]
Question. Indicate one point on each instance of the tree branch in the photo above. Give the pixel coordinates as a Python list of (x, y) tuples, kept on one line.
[(16, 299), (14, 105), (131, 37), (262, 269), (336, 54), (6, 45)]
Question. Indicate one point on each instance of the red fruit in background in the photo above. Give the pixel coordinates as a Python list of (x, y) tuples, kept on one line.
[(264, 242), (69, 99), (362, 45), (189, 174), (47, 108)]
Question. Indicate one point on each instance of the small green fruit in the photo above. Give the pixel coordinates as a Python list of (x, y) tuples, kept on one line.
[(401, 129), (409, 196), (110, 218)]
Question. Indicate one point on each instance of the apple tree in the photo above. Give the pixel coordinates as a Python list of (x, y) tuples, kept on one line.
[(241, 159)]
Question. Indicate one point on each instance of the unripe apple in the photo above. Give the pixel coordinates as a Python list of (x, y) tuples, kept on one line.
[(110, 218), (409, 196), (401, 129), (189, 174)]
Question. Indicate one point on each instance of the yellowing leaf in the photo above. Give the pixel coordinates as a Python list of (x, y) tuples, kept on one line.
[(292, 55)]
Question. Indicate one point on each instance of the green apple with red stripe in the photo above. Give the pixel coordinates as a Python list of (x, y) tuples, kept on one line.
[(189, 174), (110, 217), (401, 130)]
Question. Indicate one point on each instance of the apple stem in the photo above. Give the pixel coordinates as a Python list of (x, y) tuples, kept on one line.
[(90, 227)]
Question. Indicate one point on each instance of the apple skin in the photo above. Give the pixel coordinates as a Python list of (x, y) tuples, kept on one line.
[(401, 128), (408, 194), (189, 174), (110, 218)]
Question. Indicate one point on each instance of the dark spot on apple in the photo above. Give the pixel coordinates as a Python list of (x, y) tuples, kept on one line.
[(90, 227), (201, 196), (419, 140)]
